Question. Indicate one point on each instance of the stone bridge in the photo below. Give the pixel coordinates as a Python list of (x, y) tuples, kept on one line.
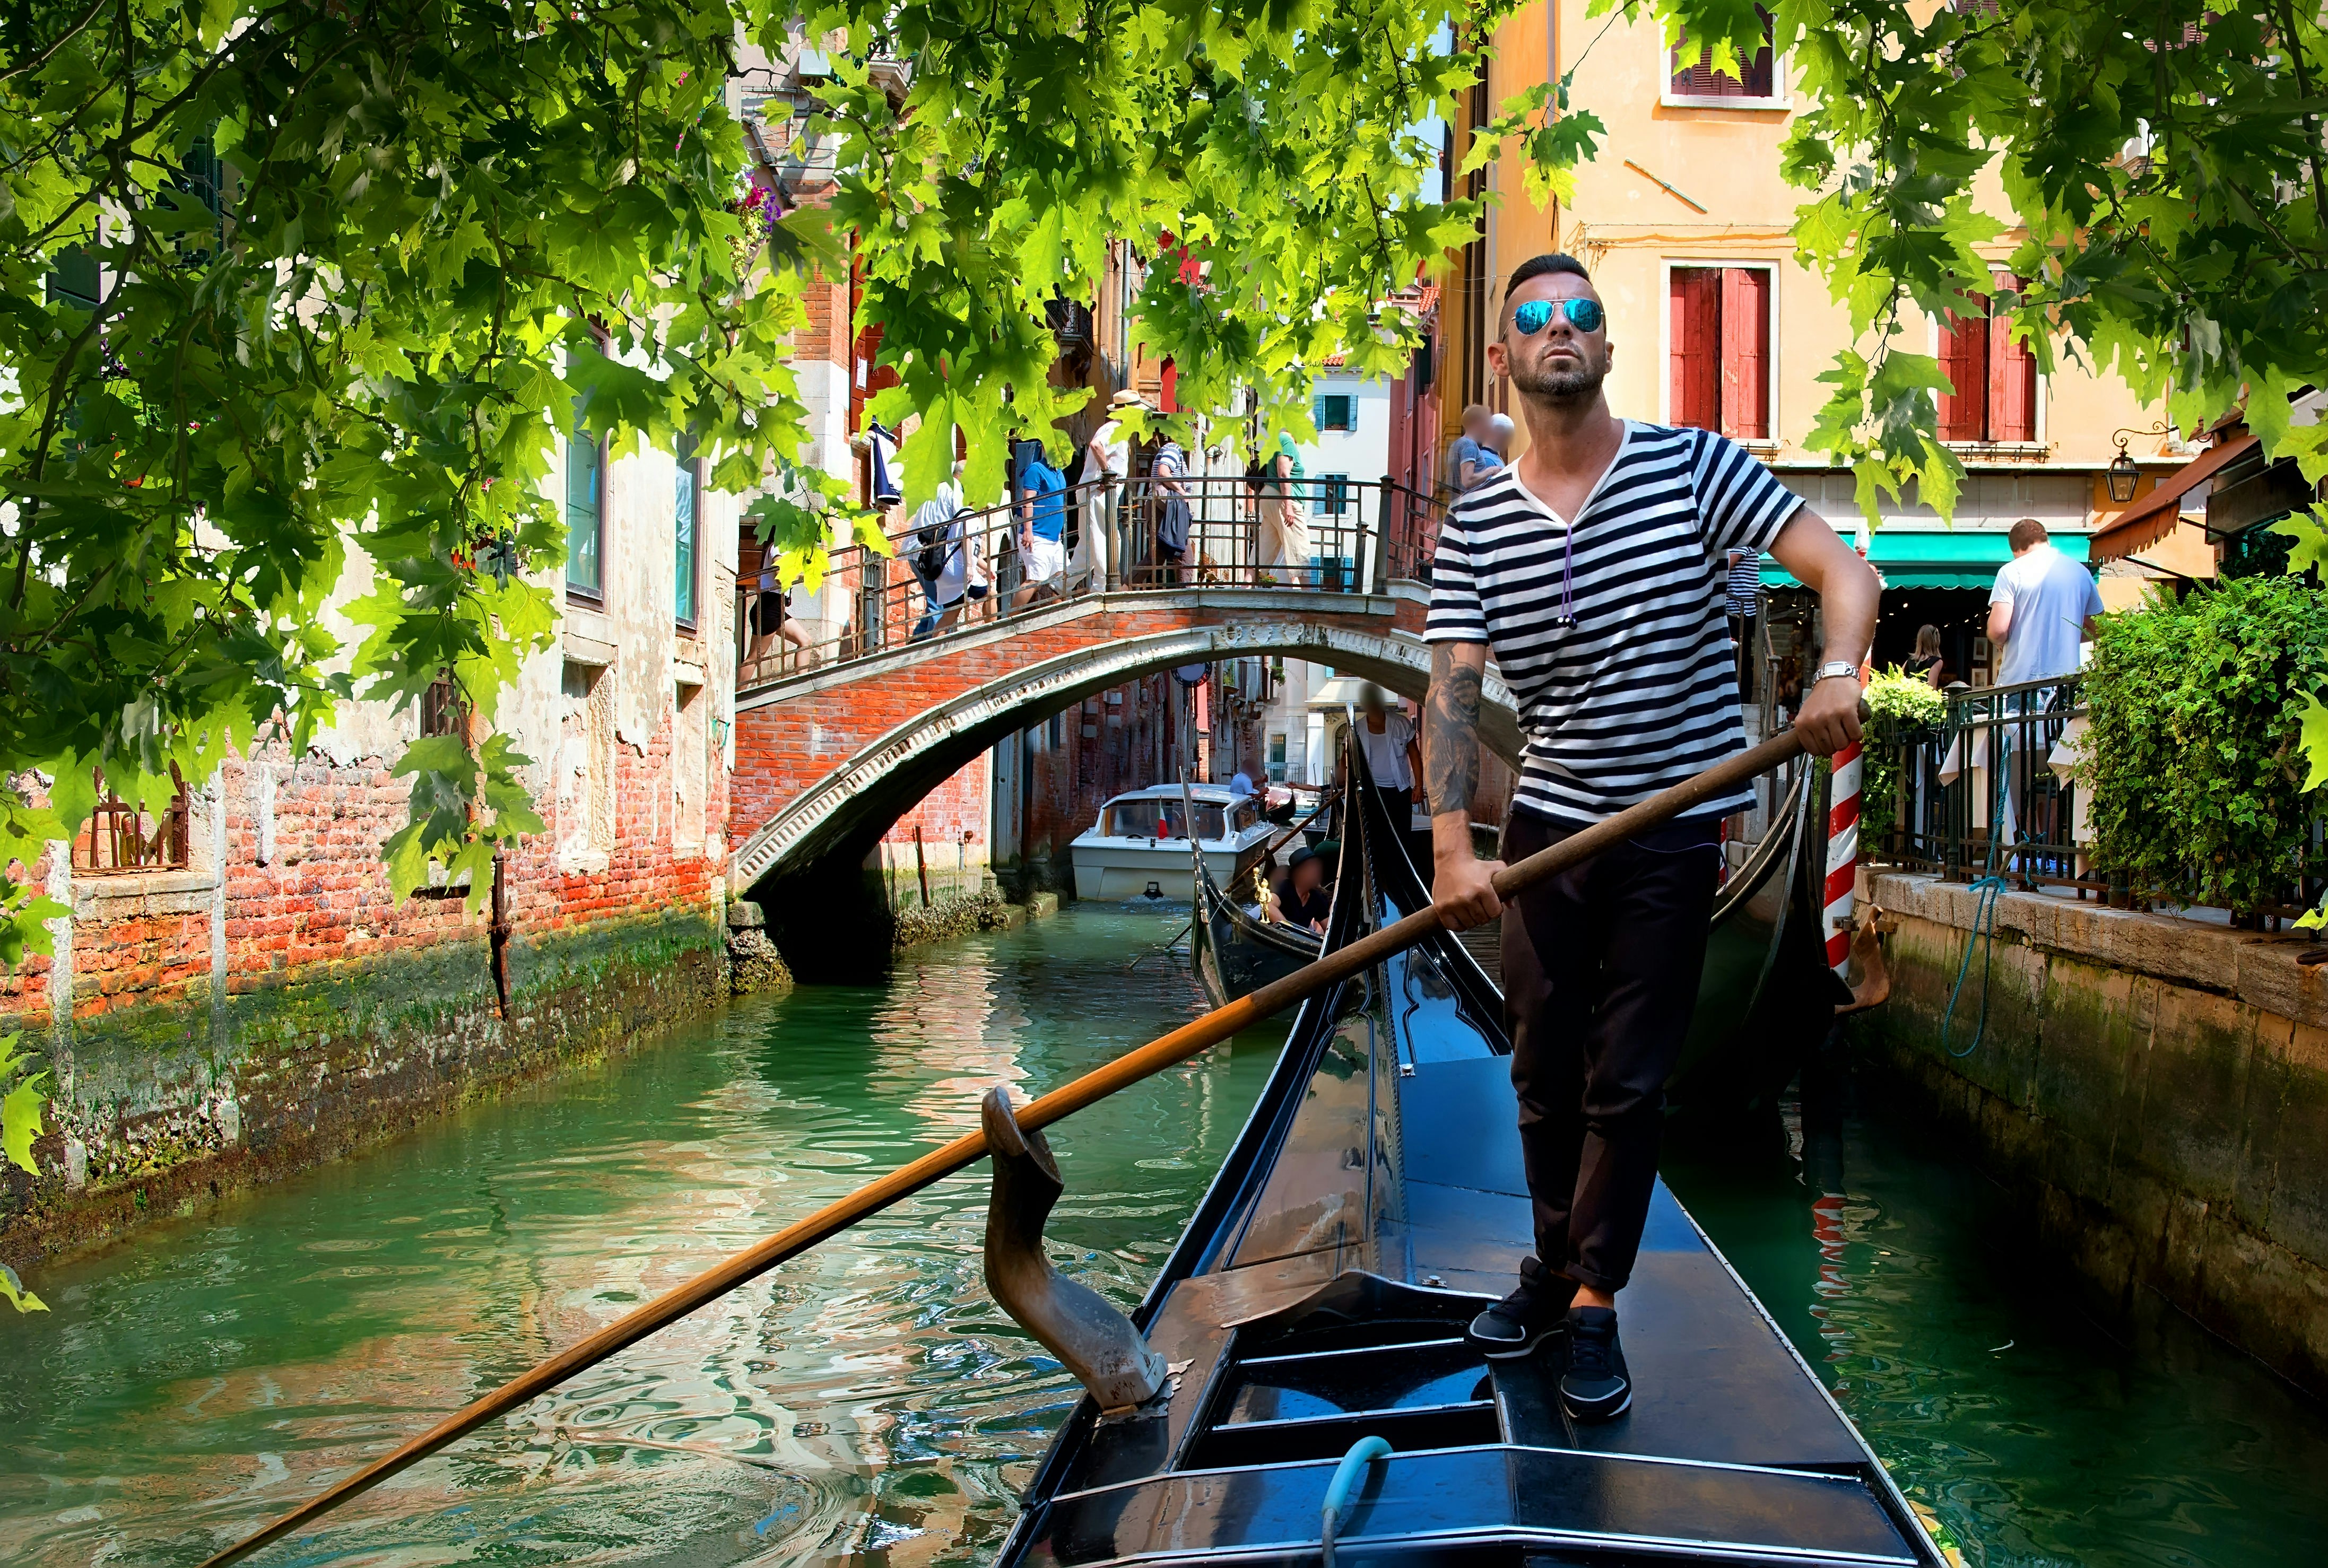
[(827, 759)]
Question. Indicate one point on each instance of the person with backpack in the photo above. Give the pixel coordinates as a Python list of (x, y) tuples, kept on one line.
[(946, 559)]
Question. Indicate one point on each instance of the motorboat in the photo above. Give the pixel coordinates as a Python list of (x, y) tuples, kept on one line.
[(1296, 1386), (1141, 845)]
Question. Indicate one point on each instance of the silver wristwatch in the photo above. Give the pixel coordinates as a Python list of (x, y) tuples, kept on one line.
[(1834, 667)]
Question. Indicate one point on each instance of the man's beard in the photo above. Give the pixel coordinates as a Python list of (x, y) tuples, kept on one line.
[(1561, 386)]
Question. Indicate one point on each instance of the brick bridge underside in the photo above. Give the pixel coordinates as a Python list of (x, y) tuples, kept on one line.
[(827, 761)]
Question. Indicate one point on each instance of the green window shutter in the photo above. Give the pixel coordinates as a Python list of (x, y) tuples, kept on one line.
[(76, 280), (684, 529), (585, 529)]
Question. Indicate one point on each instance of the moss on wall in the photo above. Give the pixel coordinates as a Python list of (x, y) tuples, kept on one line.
[(2167, 1133), (163, 1107)]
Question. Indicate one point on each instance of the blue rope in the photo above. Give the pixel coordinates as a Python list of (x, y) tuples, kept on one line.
[(1984, 931), (1989, 885)]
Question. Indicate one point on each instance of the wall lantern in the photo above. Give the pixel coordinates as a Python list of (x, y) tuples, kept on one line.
[(2124, 473)]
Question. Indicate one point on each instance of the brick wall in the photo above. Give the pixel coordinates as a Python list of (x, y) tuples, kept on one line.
[(269, 1004)]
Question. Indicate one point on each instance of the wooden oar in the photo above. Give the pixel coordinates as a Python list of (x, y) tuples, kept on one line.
[(943, 1162)]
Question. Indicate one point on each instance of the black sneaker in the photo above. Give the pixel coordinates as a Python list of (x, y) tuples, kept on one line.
[(1522, 1321), (1595, 1386)]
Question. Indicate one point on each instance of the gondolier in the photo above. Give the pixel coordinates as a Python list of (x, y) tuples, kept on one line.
[(1592, 569)]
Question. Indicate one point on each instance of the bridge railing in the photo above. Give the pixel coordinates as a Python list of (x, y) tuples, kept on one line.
[(1345, 537)]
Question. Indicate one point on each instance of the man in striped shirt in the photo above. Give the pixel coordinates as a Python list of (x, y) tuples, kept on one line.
[(1592, 569)]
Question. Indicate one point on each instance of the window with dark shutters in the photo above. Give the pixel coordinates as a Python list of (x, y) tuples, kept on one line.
[(1964, 360), (1721, 347), (1758, 79), (2011, 384)]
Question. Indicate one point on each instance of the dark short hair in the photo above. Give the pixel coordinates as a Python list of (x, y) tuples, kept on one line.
[(2026, 533), (1544, 266), (1534, 268)]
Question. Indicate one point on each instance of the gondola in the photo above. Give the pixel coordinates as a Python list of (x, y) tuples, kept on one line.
[(1766, 994), (1236, 952), (1372, 1204)]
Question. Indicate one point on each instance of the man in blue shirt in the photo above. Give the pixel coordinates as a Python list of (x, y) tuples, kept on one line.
[(1042, 528), (1471, 459)]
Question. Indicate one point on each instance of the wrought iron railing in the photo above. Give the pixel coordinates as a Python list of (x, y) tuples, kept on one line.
[(1993, 791), (1354, 536), (1996, 790)]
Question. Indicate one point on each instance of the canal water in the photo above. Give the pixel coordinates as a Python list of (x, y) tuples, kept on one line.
[(867, 1403)]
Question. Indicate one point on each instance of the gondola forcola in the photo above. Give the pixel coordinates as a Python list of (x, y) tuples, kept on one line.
[(1340, 963)]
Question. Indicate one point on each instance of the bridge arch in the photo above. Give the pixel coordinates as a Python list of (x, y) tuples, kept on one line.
[(830, 827)]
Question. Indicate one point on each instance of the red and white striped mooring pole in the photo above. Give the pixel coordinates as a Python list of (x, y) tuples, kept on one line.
[(1842, 854)]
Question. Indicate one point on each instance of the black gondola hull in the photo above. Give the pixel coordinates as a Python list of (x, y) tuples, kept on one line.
[(1373, 1201)]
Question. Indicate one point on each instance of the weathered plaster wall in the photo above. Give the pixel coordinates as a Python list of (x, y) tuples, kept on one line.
[(2155, 1087), (269, 1004)]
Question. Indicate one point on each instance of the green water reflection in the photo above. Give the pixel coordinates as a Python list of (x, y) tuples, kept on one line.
[(865, 1398), (1905, 1279), (866, 1402)]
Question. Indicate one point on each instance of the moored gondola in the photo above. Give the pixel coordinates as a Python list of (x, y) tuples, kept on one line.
[(1373, 1203), (1234, 952)]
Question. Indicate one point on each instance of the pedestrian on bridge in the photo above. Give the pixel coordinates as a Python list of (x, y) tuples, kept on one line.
[(1592, 569), (946, 559), (1283, 547), (1175, 519), (1107, 459), (1472, 458), (1042, 528)]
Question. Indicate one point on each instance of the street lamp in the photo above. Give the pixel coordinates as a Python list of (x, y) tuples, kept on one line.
[(2124, 473)]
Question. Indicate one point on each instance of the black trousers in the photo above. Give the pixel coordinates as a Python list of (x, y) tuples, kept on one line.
[(1601, 972), (1399, 804)]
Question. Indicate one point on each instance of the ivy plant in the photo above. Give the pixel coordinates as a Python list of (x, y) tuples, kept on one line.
[(2196, 754)]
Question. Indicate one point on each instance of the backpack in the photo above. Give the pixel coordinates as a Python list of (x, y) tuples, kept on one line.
[(933, 529)]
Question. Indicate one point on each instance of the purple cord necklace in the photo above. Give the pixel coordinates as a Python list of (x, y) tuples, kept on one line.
[(1566, 619)]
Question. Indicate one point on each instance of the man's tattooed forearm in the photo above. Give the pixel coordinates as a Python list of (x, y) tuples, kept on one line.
[(1450, 734)]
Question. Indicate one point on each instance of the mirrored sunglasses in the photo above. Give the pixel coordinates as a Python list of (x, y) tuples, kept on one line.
[(1531, 316)]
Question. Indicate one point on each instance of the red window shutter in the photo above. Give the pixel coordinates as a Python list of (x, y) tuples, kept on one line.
[(1746, 353), (1700, 80), (2011, 386), (1695, 300), (1964, 359), (1170, 388)]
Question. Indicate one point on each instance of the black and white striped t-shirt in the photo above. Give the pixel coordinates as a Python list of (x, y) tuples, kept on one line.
[(1642, 692)]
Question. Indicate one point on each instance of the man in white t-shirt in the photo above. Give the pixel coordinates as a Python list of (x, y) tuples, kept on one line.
[(1107, 458), (2042, 609), (1394, 759)]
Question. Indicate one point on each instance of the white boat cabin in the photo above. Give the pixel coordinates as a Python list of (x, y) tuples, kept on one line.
[(1140, 847)]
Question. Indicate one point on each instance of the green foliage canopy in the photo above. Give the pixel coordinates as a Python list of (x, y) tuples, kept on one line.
[(286, 285)]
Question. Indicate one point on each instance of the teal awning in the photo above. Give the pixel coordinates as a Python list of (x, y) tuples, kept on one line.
[(1936, 558)]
